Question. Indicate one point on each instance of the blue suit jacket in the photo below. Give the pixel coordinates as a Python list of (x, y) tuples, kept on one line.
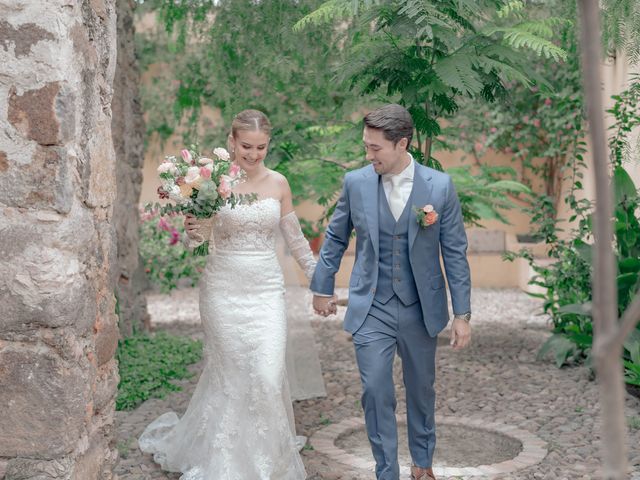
[(358, 208)]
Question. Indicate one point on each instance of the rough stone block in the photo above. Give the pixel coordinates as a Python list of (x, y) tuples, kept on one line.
[(33, 114), (45, 182), (107, 335), (101, 191), (22, 37), (45, 286), (89, 465), (43, 399), (30, 469), (106, 385)]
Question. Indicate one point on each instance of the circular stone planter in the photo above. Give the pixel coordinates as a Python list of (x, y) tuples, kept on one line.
[(466, 447)]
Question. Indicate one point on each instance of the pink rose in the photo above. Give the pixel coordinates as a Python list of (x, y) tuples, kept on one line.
[(180, 181), (536, 122), (430, 218), (525, 119), (234, 170), (205, 172), (478, 146), (186, 155), (547, 102), (493, 130), (224, 189)]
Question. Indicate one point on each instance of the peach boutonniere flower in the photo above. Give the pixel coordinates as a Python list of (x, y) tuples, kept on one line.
[(426, 216)]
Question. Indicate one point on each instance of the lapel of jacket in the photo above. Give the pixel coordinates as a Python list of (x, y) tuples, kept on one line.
[(419, 198), (369, 192)]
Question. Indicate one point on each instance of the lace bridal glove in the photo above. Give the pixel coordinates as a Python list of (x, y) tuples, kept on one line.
[(202, 233), (298, 245)]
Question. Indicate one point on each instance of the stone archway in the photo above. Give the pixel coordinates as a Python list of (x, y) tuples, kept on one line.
[(66, 202)]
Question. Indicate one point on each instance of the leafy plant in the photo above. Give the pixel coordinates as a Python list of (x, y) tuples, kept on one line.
[(567, 280), (542, 130), (166, 261), (149, 364), (431, 54)]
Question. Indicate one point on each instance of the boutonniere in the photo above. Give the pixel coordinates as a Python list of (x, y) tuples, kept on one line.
[(426, 215)]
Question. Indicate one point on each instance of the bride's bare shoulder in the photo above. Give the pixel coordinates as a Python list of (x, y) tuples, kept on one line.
[(278, 180)]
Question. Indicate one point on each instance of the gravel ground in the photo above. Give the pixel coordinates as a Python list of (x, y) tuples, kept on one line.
[(497, 379)]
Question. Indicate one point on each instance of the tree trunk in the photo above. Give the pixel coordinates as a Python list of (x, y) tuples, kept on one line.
[(607, 353)]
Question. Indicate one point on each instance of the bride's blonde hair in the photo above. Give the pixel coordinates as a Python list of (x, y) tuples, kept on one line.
[(250, 120)]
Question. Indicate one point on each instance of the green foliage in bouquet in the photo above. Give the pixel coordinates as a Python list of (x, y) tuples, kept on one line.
[(148, 366), (164, 257)]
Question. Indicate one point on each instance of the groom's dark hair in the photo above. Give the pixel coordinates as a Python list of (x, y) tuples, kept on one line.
[(394, 120)]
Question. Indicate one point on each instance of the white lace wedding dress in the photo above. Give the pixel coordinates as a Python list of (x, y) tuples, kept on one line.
[(239, 422)]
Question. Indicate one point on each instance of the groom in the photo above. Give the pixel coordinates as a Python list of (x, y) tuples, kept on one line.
[(397, 294)]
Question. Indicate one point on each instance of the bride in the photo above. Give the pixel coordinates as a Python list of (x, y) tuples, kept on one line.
[(239, 423)]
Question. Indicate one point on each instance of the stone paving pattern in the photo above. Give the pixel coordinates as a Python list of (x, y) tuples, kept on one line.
[(497, 380)]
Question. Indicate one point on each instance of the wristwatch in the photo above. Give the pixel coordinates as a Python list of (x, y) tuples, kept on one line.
[(463, 316)]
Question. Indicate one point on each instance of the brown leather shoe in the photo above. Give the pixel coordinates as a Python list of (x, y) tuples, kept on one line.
[(419, 473)]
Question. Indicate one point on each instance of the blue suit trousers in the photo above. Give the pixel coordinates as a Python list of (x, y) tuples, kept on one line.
[(389, 328)]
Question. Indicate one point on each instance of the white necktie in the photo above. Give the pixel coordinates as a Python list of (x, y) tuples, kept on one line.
[(395, 196)]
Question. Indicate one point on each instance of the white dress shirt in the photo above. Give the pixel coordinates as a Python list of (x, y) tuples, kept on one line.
[(406, 182)]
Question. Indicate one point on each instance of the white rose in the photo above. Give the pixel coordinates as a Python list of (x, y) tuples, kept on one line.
[(221, 153), (205, 161), (174, 194), (166, 167), (193, 174)]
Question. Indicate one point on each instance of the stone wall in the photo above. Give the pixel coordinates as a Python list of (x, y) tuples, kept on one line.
[(58, 328), (127, 128)]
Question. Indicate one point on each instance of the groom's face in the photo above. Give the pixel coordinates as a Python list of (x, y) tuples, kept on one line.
[(382, 153)]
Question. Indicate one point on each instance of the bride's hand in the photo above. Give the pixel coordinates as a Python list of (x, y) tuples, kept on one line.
[(194, 227)]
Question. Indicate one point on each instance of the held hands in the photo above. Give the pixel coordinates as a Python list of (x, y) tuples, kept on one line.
[(325, 306), (460, 334)]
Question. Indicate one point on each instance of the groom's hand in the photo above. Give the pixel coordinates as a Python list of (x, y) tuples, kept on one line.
[(325, 306), (460, 334)]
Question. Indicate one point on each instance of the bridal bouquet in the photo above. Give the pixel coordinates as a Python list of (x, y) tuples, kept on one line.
[(199, 186)]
